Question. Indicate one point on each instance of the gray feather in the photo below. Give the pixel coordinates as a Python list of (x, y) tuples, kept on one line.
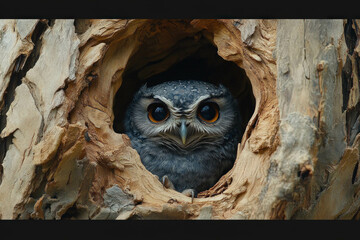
[(210, 149)]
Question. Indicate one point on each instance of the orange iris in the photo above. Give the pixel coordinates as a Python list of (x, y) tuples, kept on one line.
[(208, 112), (157, 112)]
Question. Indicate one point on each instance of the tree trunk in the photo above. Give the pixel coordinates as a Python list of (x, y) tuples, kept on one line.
[(64, 86)]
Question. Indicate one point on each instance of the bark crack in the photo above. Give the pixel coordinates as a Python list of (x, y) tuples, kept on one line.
[(305, 63), (348, 75), (22, 65)]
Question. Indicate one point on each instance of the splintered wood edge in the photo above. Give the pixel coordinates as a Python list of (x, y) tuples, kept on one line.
[(77, 148), (119, 164)]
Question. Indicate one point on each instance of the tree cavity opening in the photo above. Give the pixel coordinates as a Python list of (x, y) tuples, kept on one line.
[(178, 54)]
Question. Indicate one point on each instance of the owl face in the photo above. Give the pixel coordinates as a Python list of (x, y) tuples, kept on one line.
[(183, 114)]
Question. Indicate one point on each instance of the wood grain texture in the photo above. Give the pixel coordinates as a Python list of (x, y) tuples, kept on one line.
[(298, 157)]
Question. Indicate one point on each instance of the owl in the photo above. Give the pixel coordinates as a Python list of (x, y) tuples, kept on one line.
[(185, 131)]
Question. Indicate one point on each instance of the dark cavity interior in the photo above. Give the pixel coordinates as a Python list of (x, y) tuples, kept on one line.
[(192, 57)]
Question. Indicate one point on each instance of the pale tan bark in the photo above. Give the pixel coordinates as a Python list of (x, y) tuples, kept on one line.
[(63, 158)]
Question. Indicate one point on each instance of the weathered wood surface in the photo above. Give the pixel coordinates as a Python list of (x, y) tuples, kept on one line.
[(61, 158)]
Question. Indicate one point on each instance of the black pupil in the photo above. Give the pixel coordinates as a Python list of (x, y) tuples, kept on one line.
[(159, 113), (208, 112)]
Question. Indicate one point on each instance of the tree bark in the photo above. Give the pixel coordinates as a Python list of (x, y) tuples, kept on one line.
[(64, 84)]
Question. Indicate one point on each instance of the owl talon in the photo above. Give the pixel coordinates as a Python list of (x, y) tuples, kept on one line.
[(167, 183), (190, 193)]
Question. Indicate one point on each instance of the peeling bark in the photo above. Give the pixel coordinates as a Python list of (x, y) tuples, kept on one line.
[(64, 86)]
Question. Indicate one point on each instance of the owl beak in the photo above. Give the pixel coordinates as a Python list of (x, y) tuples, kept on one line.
[(183, 131)]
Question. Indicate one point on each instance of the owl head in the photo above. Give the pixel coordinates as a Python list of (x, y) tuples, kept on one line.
[(183, 115)]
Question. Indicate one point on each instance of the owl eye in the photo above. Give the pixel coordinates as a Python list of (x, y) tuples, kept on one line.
[(157, 112), (208, 112)]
